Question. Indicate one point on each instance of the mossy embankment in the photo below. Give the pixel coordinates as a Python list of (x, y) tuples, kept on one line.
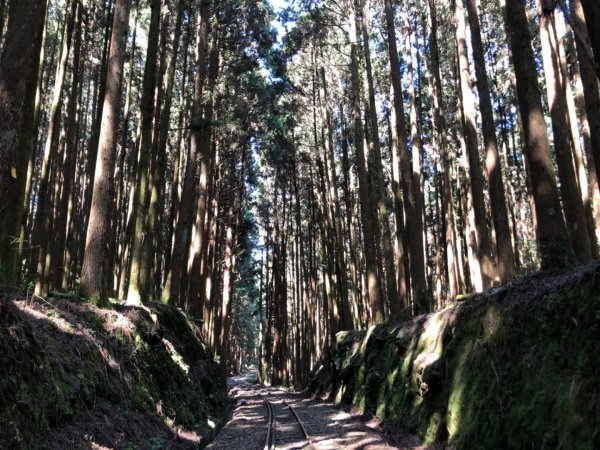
[(75, 376), (517, 367)]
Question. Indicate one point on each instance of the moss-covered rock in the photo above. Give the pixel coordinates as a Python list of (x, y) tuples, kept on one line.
[(517, 367), (75, 376)]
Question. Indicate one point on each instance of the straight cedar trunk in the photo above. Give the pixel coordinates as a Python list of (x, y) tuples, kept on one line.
[(563, 140), (174, 286), (69, 160), (280, 345), (327, 246), (123, 177), (368, 214), (400, 309), (352, 252), (222, 331), (95, 281), (207, 147), (504, 249), (376, 174), (591, 9), (211, 269), (330, 310), (139, 275), (414, 218), (261, 325), (334, 206), (554, 248), (18, 82), (99, 81), (154, 243), (29, 143), (178, 166), (164, 247), (483, 247), (43, 219), (581, 143), (591, 93), (453, 265), (335, 294), (414, 121)]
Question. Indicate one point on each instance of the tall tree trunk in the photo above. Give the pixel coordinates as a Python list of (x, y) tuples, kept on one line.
[(44, 217), (414, 218), (563, 141), (550, 228), (139, 279), (573, 206), (454, 267), (18, 82), (504, 248), (206, 187), (173, 288), (98, 96), (401, 309), (158, 169), (94, 277), (165, 247), (69, 157), (592, 102), (122, 177), (483, 245), (376, 170), (367, 207), (334, 206)]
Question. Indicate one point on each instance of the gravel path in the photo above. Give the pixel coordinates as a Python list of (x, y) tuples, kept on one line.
[(328, 427)]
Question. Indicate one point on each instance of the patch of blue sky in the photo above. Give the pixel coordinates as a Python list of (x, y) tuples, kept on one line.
[(279, 5)]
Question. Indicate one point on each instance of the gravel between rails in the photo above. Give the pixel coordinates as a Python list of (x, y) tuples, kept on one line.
[(328, 427)]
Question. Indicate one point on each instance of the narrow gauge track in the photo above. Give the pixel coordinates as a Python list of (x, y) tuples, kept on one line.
[(288, 428)]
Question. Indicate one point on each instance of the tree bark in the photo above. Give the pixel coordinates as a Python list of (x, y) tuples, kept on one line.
[(94, 277), (504, 248), (414, 218), (591, 9), (376, 171), (173, 288), (452, 260), (573, 206), (69, 158), (139, 279), (18, 82), (483, 246), (592, 102), (367, 207), (550, 228)]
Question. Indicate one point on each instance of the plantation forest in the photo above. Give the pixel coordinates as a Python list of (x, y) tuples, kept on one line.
[(212, 206)]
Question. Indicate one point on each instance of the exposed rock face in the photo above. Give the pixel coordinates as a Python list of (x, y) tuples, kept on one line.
[(516, 367), (76, 376)]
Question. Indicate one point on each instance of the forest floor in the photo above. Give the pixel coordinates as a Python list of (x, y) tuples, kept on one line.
[(328, 426)]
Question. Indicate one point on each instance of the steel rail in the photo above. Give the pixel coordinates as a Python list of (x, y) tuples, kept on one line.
[(270, 442), (306, 436)]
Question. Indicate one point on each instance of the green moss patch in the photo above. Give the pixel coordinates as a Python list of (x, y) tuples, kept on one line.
[(516, 367), (75, 376)]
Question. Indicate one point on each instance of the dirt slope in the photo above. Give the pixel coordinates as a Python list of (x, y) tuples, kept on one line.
[(75, 376), (517, 367)]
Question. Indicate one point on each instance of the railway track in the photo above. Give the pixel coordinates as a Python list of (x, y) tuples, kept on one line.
[(284, 428)]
